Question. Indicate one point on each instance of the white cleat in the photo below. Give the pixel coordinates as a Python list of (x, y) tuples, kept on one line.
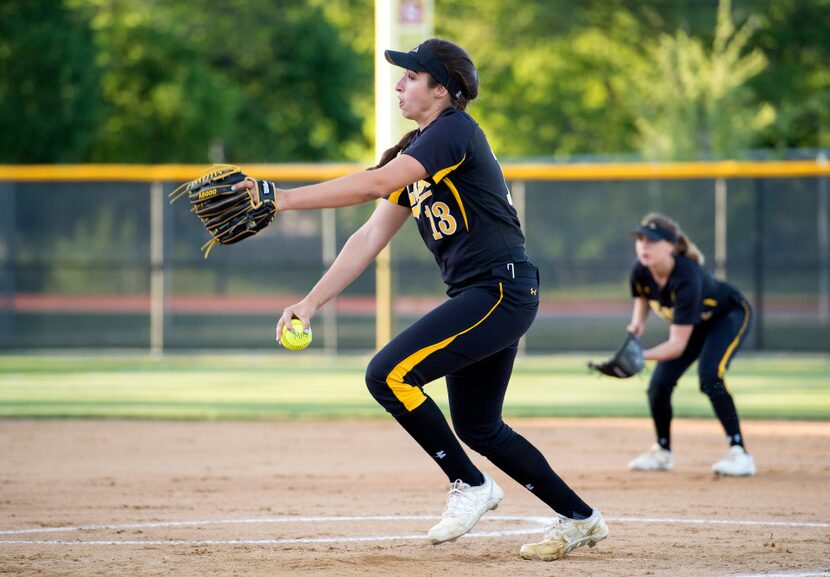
[(465, 506), (737, 463), (655, 459), (565, 535)]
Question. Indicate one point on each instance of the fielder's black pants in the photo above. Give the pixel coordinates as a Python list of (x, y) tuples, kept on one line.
[(713, 344), (472, 340)]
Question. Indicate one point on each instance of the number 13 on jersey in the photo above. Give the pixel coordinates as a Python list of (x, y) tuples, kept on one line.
[(440, 220)]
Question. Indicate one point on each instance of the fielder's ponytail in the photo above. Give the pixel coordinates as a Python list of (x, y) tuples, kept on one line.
[(689, 249)]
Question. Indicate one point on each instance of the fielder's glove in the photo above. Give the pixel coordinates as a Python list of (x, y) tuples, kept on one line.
[(626, 362), (229, 215)]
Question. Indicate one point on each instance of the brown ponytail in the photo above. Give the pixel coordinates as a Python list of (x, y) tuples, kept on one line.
[(683, 245), (689, 249), (393, 151)]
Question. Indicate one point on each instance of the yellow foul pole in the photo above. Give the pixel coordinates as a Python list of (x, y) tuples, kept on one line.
[(399, 25)]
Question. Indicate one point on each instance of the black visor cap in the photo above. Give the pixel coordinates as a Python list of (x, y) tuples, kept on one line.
[(652, 230), (420, 59)]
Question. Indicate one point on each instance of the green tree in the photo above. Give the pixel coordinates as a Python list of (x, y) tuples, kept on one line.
[(243, 80), (694, 102), (552, 73), (354, 24), (50, 102), (164, 104), (282, 80), (793, 35), (562, 78)]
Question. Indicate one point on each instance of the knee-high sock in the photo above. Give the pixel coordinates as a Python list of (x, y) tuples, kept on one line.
[(725, 410), (517, 457), (427, 425), (661, 414)]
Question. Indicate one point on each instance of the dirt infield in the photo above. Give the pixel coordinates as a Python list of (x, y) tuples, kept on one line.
[(356, 498)]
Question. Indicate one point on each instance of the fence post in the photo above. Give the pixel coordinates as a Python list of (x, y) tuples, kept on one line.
[(758, 264), (8, 289), (518, 194), (157, 280), (822, 217), (329, 233), (720, 228)]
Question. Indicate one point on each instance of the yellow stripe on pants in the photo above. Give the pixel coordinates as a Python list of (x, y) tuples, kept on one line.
[(410, 396), (731, 348)]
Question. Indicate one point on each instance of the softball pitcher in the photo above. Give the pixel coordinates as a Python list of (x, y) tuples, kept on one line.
[(444, 175), (709, 320)]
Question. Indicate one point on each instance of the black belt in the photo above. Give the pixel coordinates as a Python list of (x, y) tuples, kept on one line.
[(506, 271)]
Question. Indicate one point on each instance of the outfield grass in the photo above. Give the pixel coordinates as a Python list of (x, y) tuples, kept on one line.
[(305, 386)]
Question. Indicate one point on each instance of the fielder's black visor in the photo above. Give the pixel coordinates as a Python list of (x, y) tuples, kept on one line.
[(420, 59), (652, 230)]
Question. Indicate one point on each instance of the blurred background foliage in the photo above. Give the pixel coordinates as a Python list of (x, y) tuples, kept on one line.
[(291, 80)]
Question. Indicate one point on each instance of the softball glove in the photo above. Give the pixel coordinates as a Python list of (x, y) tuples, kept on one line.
[(625, 363), (229, 215)]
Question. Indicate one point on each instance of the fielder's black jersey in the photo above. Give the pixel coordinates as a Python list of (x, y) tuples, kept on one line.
[(463, 209), (690, 296)]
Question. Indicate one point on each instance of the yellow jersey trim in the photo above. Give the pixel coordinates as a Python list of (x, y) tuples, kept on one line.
[(457, 197), (395, 196), (665, 313), (439, 176), (410, 396)]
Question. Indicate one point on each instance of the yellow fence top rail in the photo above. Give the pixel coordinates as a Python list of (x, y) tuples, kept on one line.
[(512, 171)]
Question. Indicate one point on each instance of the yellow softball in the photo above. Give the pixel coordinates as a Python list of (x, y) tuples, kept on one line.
[(298, 340)]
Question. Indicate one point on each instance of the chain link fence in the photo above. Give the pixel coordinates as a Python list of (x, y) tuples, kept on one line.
[(89, 261)]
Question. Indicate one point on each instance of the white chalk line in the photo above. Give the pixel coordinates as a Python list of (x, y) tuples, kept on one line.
[(717, 522), (266, 520), (819, 574), (287, 541), (539, 523)]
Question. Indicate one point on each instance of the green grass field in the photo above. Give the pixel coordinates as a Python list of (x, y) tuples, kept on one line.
[(284, 385)]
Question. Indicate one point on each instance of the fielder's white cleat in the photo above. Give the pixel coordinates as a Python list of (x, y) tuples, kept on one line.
[(737, 463), (565, 535), (465, 506), (655, 459)]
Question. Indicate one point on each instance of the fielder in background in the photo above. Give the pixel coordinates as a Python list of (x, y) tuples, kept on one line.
[(709, 320), (445, 176)]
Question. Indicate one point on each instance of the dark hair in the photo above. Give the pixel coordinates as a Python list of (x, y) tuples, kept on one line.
[(683, 245), (460, 66)]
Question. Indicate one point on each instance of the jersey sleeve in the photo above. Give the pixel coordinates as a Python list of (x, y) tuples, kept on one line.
[(688, 290), (442, 147), (637, 281), (399, 197)]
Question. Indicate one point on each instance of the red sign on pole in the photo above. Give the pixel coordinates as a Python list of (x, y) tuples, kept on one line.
[(411, 12)]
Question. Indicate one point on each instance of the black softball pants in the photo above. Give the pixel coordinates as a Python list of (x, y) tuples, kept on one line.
[(472, 340), (713, 344)]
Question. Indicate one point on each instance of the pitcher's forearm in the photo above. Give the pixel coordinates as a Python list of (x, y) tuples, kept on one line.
[(355, 188), (349, 264), (349, 190)]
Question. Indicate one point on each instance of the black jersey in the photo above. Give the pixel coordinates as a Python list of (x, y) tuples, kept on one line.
[(463, 209), (690, 296)]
